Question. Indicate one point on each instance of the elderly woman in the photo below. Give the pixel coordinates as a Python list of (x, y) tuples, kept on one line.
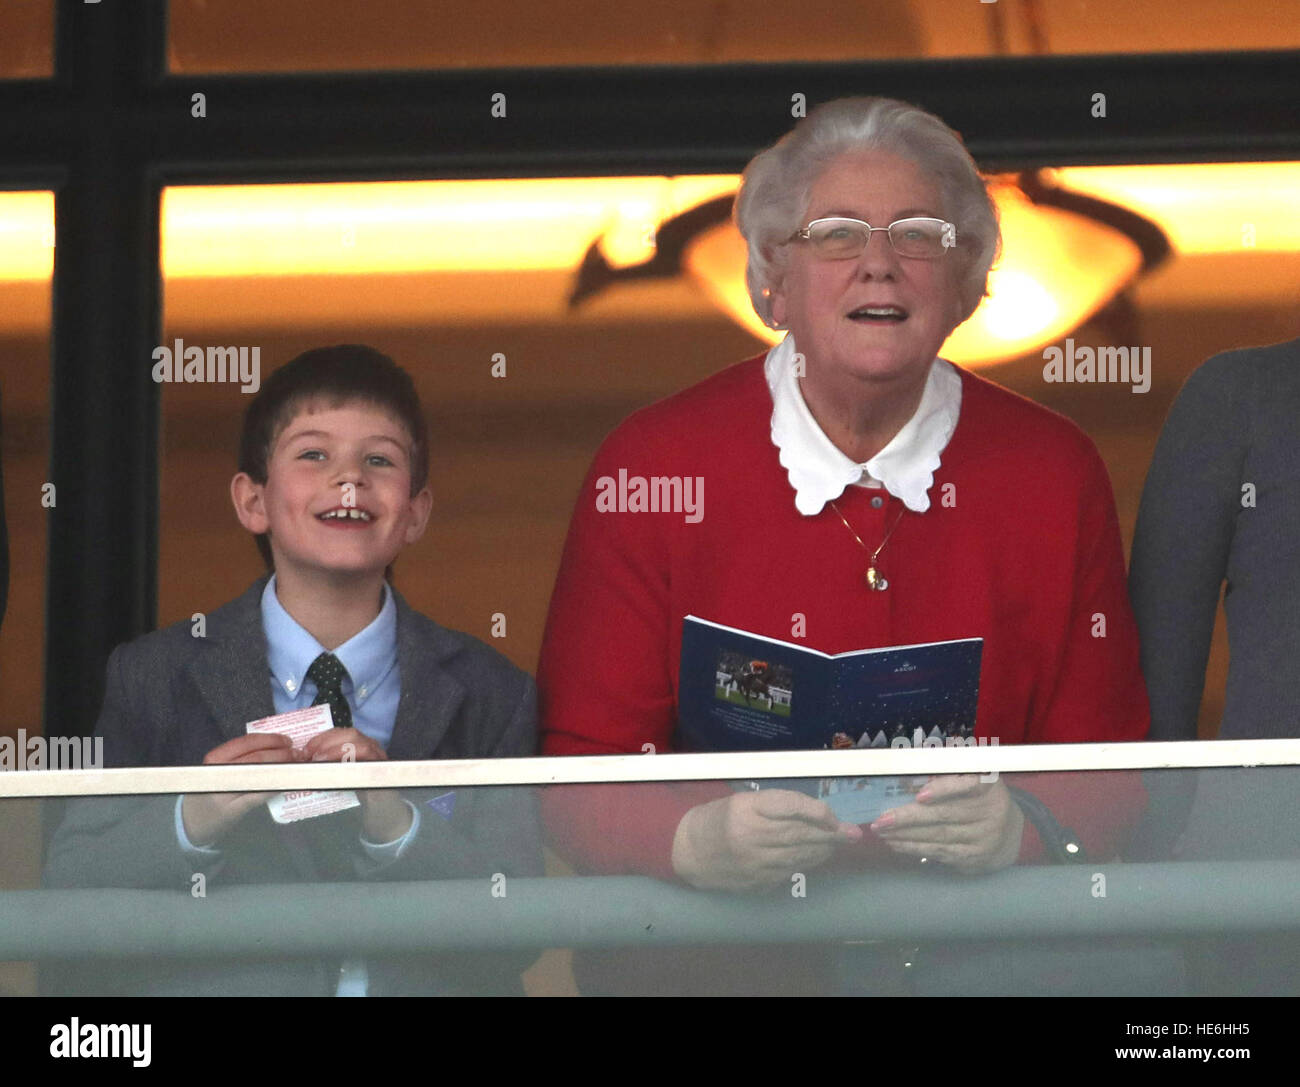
[(859, 492)]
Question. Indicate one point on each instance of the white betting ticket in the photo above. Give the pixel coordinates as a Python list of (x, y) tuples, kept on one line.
[(300, 726)]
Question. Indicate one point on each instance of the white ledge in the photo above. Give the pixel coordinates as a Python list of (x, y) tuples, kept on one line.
[(719, 766)]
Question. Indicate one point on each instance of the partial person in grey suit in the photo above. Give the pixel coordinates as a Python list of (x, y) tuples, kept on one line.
[(333, 466), (1221, 511)]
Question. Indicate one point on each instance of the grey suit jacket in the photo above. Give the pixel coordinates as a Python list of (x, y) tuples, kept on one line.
[(1221, 513), (172, 697)]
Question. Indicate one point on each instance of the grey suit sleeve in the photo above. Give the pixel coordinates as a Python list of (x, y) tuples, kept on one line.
[(122, 841), (491, 829), (1185, 525)]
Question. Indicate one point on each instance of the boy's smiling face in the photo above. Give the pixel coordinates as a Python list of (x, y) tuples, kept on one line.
[(337, 497)]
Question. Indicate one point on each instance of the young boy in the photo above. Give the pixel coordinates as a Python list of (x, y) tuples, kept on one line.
[(332, 474)]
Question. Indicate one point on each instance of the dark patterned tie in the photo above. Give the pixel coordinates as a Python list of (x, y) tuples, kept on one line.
[(327, 672)]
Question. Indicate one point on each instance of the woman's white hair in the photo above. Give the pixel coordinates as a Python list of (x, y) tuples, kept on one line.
[(777, 185)]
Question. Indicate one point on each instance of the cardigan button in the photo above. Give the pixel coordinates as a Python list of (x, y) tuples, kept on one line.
[(877, 502)]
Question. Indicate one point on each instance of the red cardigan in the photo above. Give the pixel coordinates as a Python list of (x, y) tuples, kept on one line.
[(1022, 550)]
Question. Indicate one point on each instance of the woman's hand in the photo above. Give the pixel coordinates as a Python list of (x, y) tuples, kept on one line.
[(957, 820), (755, 840)]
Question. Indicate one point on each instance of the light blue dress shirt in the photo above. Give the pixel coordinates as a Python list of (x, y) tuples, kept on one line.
[(373, 689)]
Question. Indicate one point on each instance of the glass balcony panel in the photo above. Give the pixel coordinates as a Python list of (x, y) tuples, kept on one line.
[(569, 887)]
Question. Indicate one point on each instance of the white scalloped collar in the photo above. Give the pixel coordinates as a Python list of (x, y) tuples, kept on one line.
[(819, 472)]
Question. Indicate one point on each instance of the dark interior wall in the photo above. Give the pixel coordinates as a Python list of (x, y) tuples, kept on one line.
[(25, 450)]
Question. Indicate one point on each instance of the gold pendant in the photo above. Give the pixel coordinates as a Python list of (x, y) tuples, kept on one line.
[(875, 582)]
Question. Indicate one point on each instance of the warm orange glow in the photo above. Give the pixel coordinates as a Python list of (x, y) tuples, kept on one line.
[(527, 237), (419, 226), (716, 260), (1057, 269), (26, 235), (1221, 207), (358, 228)]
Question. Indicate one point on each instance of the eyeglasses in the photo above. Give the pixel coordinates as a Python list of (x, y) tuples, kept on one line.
[(841, 239)]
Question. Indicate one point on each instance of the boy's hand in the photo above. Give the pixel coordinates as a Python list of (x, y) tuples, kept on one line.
[(207, 816), (343, 745), (385, 816)]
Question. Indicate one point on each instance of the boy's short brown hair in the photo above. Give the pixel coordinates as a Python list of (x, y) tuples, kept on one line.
[(332, 377)]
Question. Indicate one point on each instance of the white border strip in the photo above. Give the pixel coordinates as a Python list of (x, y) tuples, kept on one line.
[(724, 766)]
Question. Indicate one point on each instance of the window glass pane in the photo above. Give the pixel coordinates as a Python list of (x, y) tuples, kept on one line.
[(26, 267), (469, 905), (535, 315), (313, 35), (447, 276), (26, 39)]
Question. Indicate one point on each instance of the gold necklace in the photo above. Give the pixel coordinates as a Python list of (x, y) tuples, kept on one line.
[(875, 582)]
